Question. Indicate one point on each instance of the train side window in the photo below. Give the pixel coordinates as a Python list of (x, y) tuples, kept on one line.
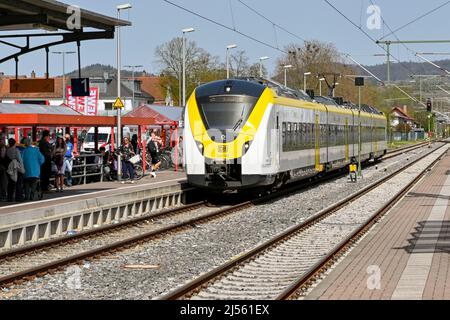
[(283, 135), (295, 136), (289, 136), (303, 133)]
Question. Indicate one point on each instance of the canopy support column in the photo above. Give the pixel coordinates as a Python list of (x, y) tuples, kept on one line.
[(112, 140), (95, 139), (177, 141), (34, 134)]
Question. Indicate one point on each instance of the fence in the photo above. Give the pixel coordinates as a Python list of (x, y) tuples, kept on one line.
[(85, 166)]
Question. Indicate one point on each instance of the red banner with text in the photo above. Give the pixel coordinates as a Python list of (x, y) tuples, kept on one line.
[(85, 105)]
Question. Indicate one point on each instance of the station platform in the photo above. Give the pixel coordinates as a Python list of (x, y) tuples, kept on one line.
[(406, 255), (85, 206), (85, 191)]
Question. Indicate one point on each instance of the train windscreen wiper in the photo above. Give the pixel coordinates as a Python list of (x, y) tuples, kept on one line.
[(238, 123)]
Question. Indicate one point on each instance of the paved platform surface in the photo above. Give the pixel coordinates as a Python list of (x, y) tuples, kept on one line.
[(406, 255), (92, 190)]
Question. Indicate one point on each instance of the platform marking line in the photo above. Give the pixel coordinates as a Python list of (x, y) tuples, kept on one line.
[(413, 280), (89, 193)]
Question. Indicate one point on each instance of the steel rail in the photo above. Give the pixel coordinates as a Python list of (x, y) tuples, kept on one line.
[(322, 265), (195, 285), (97, 231), (123, 244)]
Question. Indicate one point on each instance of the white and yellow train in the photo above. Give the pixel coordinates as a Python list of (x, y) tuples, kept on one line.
[(246, 133)]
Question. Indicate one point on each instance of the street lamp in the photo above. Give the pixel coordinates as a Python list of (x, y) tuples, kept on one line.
[(186, 30), (287, 66), (334, 87), (229, 47), (304, 79), (125, 6), (320, 85), (63, 53), (260, 65), (132, 77)]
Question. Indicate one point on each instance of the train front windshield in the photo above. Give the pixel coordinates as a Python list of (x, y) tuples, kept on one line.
[(225, 115)]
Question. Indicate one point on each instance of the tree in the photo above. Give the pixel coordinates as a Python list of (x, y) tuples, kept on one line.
[(198, 65), (239, 65)]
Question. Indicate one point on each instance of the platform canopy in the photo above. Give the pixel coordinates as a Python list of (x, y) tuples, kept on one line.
[(23, 115), (49, 15), (162, 115)]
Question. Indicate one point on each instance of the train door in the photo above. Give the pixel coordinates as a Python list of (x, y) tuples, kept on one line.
[(277, 140)]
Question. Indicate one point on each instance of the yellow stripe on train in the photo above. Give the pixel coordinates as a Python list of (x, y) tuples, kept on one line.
[(233, 149)]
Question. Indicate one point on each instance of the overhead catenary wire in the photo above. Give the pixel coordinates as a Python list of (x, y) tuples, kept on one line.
[(416, 19), (365, 33), (225, 26), (272, 22)]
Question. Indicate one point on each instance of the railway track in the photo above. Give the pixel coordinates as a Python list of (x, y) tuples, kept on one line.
[(396, 152), (27, 262), (285, 266)]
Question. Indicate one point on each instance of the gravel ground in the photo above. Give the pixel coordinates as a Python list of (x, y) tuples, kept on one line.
[(180, 257)]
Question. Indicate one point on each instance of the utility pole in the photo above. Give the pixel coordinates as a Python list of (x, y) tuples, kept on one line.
[(119, 111), (184, 31), (389, 42)]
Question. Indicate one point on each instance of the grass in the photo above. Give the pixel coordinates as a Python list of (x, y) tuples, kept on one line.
[(399, 144)]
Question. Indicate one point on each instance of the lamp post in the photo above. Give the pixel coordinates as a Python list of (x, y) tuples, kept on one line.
[(260, 65), (334, 87), (359, 82), (229, 47), (184, 31), (287, 66), (304, 79), (119, 111), (63, 53), (132, 79), (320, 85)]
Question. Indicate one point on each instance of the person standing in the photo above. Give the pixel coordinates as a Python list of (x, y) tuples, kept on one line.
[(4, 163), (15, 172), (32, 161), (46, 169), (59, 158), (153, 146), (135, 143), (68, 158), (127, 152)]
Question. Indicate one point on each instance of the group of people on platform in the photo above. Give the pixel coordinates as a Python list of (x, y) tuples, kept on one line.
[(26, 169), (23, 165), (129, 149)]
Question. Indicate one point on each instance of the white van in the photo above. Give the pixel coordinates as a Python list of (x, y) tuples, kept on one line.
[(104, 138)]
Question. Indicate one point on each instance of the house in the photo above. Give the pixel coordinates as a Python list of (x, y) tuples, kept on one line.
[(399, 115), (152, 85)]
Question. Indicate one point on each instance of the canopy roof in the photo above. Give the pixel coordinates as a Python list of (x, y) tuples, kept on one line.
[(49, 15), (161, 114), (23, 115)]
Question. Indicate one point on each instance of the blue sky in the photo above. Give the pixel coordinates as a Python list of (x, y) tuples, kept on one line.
[(155, 22)]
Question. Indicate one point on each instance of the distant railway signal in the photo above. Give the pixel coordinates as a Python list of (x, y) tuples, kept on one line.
[(429, 105)]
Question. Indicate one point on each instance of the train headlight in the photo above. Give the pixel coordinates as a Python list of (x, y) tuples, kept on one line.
[(200, 147), (246, 147)]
